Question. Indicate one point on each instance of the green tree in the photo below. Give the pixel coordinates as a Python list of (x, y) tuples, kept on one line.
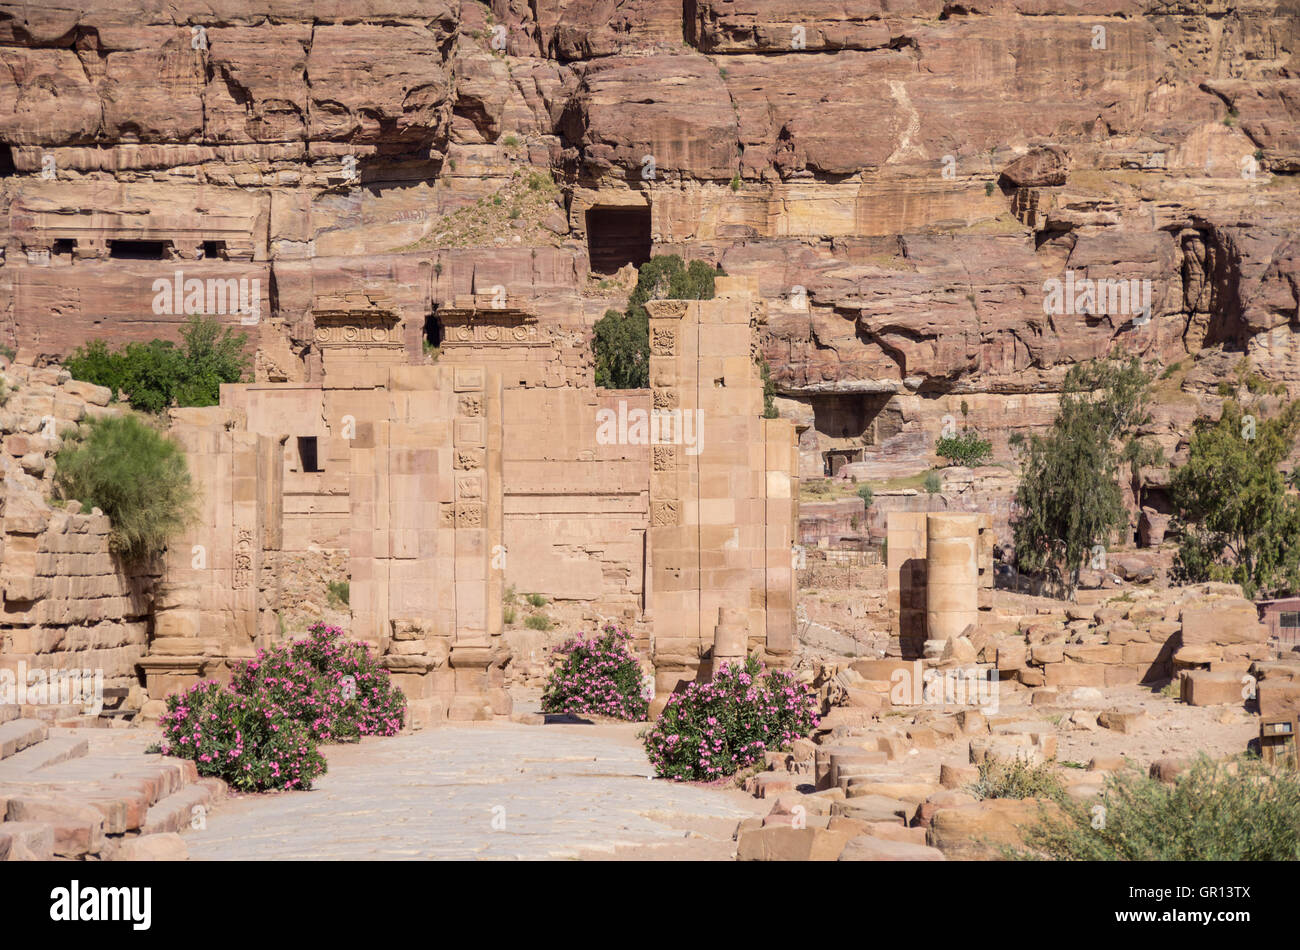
[(1069, 499), (621, 339), (135, 475), (158, 374), (769, 388), (1237, 521)]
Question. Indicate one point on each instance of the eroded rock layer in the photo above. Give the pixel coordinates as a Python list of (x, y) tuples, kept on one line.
[(906, 180)]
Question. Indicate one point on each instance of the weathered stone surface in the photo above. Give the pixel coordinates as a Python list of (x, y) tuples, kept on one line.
[(873, 848), (783, 843), (983, 830)]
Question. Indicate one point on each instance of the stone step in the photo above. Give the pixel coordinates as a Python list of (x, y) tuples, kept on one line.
[(71, 715), (52, 751), (180, 810), (18, 734), (158, 776), (9, 712)]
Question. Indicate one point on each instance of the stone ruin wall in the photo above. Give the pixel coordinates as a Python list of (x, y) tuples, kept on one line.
[(69, 604), (794, 168), (454, 487)]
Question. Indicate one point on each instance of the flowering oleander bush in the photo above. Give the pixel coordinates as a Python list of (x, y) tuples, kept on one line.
[(333, 686), (247, 741), (714, 729), (598, 675)]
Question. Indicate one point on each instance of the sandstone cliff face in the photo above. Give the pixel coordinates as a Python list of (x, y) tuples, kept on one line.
[(903, 178)]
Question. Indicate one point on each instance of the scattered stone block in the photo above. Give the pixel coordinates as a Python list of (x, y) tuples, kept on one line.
[(872, 848), (980, 831), (785, 843), (1205, 688), (955, 775), (167, 846), (1126, 720)]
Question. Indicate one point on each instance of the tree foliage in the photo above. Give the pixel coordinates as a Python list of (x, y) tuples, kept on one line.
[(1069, 499), (134, 474), (158, 374), (966, 449), (1237, 520), (621, 341)]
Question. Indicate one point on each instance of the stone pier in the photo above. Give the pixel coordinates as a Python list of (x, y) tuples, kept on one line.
[(723, 495)]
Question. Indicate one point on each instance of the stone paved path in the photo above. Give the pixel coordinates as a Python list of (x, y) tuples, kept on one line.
[(482, 791)]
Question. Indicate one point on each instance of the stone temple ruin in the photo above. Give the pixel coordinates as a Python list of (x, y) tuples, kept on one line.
[(447, 482), (419, 255)]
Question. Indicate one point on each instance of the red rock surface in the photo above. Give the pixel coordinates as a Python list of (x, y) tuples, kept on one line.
[(901, 177)]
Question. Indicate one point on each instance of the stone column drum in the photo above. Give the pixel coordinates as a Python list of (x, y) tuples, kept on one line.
[(952, 574), (730, 637)]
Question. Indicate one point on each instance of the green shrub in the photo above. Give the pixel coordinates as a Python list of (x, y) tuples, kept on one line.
[(597, 675), (135, 475), (769, 388), (535, 600), (158, 374), (866, 494), (538, 622), (1234, 810), (508, 615), (249, 742), (933, 483), (713, 729), (334, 686), (966, 449), (1016, 778), (340, 592)]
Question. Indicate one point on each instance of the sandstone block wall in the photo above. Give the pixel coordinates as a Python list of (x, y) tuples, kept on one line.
[(426, 540), (576, 508), (722, 519), (218, 600), (69, 602)]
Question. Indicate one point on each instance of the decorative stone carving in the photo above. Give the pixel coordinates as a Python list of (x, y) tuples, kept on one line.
[(351, 328), (469, 486), (663, 341), (243, 559), (469, 515), (469, 457), (471, 405), (663, 513)]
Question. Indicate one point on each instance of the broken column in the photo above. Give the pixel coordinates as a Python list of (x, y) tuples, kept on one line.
[(952, 574)]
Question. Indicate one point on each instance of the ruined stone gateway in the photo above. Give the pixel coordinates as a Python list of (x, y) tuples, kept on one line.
[(921, 216)]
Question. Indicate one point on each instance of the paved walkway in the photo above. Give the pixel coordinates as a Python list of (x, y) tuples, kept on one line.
[(482, 791)]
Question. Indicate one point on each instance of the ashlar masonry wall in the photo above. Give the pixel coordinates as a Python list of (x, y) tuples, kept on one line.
[(723, 499)]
